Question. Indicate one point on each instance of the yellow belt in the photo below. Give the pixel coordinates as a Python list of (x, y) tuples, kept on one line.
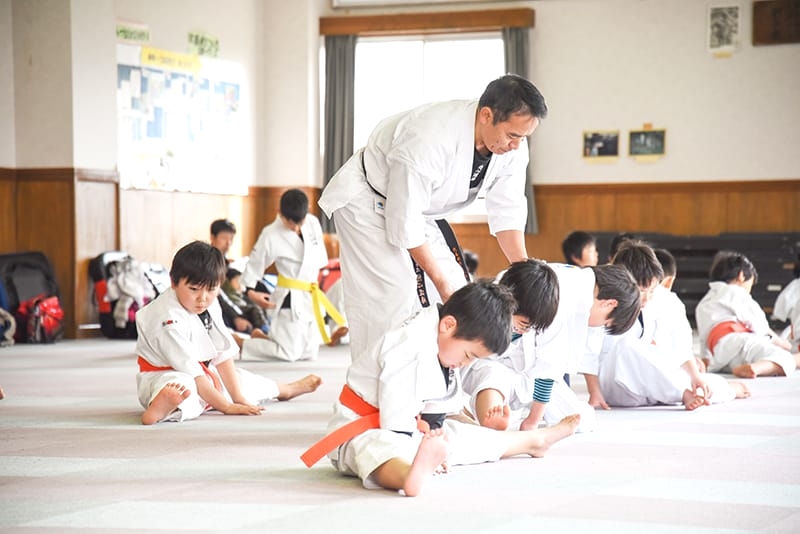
[(318, 299)]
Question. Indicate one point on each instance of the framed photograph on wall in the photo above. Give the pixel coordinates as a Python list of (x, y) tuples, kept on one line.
[(601, 144), (723, 28), (647, 142)]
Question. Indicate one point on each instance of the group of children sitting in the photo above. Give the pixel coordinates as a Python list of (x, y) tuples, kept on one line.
[(483, 376)]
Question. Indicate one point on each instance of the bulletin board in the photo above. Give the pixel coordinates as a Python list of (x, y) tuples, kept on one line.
[(179, 122)]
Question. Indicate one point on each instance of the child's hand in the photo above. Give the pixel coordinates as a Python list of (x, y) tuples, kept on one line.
[(236, 408), (596, 400), (701, 364)]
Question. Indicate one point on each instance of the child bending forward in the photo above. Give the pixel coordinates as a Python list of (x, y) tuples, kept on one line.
[(185, 351), (382, 431)]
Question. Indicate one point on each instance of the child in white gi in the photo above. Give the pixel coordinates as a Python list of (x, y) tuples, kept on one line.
[(185, 351), (294, 243), (375, 433), (557, 306), (733, 329), (654, 362), (787, 308)]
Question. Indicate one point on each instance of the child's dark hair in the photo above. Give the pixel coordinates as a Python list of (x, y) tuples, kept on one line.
[(294, 205), (200, 264), (535, 288), (616, 242), (482, 310), (222, 225), (641, 261), (615, 282), (574, 243), (667, 261), (232, 273), (727, 265), (471, 260)]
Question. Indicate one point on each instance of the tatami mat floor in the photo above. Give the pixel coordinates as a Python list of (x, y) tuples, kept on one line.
[(73, 458)]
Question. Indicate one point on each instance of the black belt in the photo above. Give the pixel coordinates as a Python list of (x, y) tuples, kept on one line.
[(449, 238)]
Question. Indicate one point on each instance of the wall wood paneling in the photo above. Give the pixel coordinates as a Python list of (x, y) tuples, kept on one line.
[(684, 208), (8, 210)]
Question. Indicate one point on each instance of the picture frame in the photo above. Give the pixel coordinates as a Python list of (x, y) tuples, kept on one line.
[(724, 28), (647, 142), (600, 144)]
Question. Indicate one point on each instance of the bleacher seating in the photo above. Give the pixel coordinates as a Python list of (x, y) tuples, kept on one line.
[(774, 255)]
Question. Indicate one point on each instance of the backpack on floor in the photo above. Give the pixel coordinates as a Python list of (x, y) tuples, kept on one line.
[(120, 289), (29, 291)]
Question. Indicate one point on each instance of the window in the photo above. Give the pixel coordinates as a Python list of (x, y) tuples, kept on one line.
[(396, 74)]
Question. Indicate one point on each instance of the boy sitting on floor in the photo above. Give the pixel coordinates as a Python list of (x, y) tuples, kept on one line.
[(381, 431), (185, 351)]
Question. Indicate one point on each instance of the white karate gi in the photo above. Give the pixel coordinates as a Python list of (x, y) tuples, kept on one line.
[(643, 366), (549, 354), (421, 161), (294, 333), (171, 336), (731, 302), (787, 308), (401, 378)]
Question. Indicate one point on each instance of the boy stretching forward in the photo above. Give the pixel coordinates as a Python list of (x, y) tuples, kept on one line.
[(185, 351), (377, 432), (733, 329)]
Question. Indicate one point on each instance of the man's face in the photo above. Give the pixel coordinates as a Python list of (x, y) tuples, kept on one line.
[(222, 241), (504, 136)]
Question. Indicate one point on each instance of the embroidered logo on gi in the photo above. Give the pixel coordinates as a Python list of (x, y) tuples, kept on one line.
[(168, 322)]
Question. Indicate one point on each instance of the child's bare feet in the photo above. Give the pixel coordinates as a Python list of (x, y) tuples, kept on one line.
[(430, 456), (692, 401), (257, 333), (757, 368), (741, 389), (2, 394), (165, 403), (497, 417), (337, 336), (744, 371), (307, 384), (544, 438), (238, 339)]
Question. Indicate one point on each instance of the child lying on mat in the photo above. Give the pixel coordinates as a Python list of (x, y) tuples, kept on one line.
[(186, 352), (387, 427)]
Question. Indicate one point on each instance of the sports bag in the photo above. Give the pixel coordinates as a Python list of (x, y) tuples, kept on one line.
[(40, 320)]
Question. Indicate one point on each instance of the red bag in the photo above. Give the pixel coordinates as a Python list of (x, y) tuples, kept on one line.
[(40, 320)]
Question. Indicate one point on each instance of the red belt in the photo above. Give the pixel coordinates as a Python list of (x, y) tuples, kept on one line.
[(721, 330), (369, 418), (146, 367)]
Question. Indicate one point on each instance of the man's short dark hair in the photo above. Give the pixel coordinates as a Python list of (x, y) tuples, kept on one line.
[(483, 311), (294, 205), (222, 225), (535, 288), (727, 264), (512, 95), (615, 282), (200, 264), (574, 243)]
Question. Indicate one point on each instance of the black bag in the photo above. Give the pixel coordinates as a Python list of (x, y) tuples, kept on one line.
[(25, 275)]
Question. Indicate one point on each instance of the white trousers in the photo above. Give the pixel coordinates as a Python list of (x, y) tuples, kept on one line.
[(289, 340)]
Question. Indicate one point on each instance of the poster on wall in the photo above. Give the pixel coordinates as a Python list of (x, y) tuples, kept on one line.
[(600, 145), (723, 29), (179, 122)]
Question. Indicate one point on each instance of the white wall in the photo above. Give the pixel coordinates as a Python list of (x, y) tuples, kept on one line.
[(7, 142), (42, 83)]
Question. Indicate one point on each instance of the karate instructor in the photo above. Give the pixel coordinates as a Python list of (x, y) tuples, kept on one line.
[(418, 167)]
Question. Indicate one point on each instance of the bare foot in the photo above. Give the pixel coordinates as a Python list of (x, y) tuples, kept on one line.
[(238, 339), (692, 401), (744, 371), (257, 333), (544, 438), (307, 384), (2, 394), (430, 456), (165, 403), (497, 417), (337, 336), (741, 389)]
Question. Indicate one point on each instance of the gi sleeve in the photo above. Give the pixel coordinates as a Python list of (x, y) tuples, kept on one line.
[(506, 204)]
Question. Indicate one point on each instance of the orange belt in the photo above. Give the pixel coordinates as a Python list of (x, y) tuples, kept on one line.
[(370, 418), (146, 367), (721, 330)]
